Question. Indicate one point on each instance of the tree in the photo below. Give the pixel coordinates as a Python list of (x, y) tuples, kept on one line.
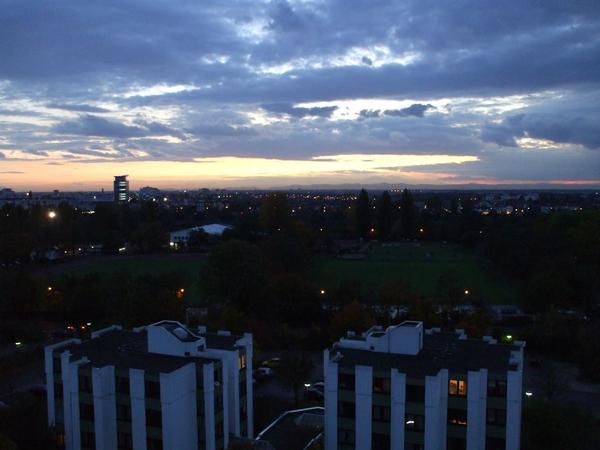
[(558, 426), (384, 216), (275, 212), (448, 290), (292, 300), (150, 237), (546, 290), (396, 293), (236, 272), (197, 240), (363, 214), (295, 370), (408, 215), (352, 317)]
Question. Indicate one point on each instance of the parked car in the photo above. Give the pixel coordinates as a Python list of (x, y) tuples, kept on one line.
[(314, 391), (262, 373), (272, 363)]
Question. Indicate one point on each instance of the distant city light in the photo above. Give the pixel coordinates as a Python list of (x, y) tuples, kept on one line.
[(51, 214), (172, 244), (49, 288), (528, 393), (18, 344), (306, 384), (466, 292), (410, 422), (421, 230), (322, 291), (509, 337)]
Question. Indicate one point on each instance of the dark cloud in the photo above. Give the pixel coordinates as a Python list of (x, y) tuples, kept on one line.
[(78, 108), (556, 128), (221, 130), (291, 110), (90, 125), (414, 110), (12, 172), (243, 55)]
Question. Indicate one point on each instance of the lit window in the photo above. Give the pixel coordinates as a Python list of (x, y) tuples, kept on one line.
[(242, 362), (457, 387)]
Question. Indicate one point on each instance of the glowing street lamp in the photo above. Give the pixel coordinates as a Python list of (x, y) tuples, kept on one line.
[(322, 291), (51, 214), (466, 292)]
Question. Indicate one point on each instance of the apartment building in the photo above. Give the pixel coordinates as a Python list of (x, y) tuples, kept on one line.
[(406, 388), (157, 387)]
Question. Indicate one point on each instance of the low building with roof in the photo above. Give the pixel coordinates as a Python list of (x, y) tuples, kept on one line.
[(156, 387), (298, 429), (407, 388)]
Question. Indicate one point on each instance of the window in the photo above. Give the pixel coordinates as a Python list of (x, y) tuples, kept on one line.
[(492, 443), (381, 413), (58, 390), (415, 393), (123, 413), (154, 444), (346, 436), (496, 388), (346, 381), (88, 440), (381, 441), (455, 443), (124, 441), (457, 388), (153, 418), (85, 383), (381, 384), (242, 361), (152, 389), (457, 417), (86, 412), (496, 417), (122, 385), (414, 422), (346, 409)]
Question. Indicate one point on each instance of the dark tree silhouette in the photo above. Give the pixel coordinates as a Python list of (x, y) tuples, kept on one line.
[(295, 370), (408, 215), (384, 215), (363, 214)]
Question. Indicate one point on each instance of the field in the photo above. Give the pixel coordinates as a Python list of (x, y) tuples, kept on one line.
[(420, 265)]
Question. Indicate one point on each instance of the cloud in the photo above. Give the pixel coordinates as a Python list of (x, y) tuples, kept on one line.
[(299, 112), (90, 125), (414, 110), (78, 108), (12, 172)]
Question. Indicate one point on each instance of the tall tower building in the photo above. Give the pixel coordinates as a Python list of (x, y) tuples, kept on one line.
[(121, 189)]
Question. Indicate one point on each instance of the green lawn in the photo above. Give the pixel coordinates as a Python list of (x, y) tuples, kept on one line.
[(420, 265)]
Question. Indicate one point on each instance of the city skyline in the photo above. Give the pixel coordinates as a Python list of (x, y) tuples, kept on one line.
[(278, 93)]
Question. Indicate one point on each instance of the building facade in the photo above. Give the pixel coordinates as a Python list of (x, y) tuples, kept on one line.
[(121, 189), (406, 388), (158, 387)]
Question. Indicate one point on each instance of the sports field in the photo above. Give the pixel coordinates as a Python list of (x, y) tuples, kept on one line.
[(420, 265)]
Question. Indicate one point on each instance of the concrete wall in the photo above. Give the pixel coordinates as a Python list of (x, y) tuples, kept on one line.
[(138, 408), (364, 406), (398, 409), (476, 409), (330, 373), (178, 405), (436, 410), (105, 407)]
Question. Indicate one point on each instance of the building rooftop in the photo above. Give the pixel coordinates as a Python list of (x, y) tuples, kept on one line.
[(129, 350), (294, 430), (440, 350)]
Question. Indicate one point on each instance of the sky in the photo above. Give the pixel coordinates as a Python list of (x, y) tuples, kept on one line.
[(236, 93)]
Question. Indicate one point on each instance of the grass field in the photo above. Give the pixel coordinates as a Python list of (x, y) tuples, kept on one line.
[(420, 265)]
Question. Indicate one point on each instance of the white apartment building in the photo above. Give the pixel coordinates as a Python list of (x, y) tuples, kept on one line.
[(406, 388), (157, 387)]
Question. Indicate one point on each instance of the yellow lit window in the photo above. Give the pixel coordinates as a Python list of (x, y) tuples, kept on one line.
[(457, 387)]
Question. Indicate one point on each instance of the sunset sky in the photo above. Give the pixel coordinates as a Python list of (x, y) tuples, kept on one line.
[(181, 93)]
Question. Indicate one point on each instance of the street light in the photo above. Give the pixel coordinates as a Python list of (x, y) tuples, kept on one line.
[(466, 292), (51, 214)]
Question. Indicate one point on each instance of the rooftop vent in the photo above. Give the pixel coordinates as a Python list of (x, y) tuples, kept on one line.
[(180, 333)]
